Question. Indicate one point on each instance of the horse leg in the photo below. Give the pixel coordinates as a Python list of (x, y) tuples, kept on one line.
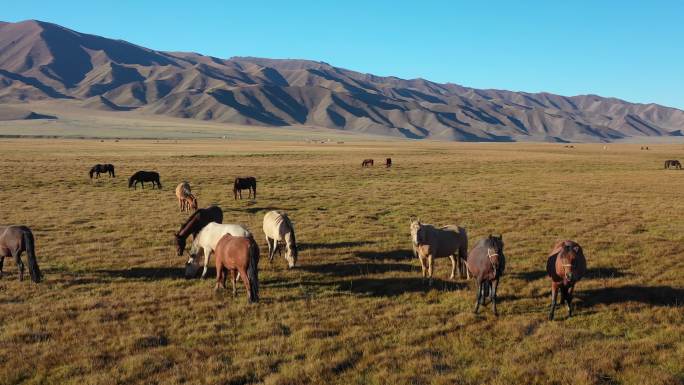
[(554, 295), (493, 293), (431, 260), (271, 251), (568, 300), (233, 279), (478, 296), (248, 284), (20, 265), (423, 265), (453, 267), (219, 278), (2, 262), (206, 262)]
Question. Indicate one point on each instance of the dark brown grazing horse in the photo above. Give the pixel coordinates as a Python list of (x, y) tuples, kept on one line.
[(194, 224), (101, 169), (238, 255), (487, 262), (673, 163), (388, 162), (367, 163), (144, 176), (245, 183), (566, 266), (14, 240)]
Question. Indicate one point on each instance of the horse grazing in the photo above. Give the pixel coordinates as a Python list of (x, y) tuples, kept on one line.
[(388, 162), (367, 163), (194, 224), (278, 228), (186, 201), (205, 242), (240, 257), (144, 176), (430, 242), (14, 240), (565, 266), (246, 183), (487, 262), (673, 163), (101, 169)]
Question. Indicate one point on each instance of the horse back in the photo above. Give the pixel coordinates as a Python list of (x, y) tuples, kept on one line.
[(232, 252)]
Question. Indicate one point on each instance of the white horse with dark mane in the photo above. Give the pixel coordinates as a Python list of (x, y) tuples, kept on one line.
[(430, 242), (278, 229), (206, 240)]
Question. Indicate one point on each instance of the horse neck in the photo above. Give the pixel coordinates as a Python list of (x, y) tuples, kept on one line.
[(190, 225)]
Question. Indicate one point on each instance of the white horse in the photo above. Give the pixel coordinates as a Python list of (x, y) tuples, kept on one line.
[(209, 236), (278, 228)]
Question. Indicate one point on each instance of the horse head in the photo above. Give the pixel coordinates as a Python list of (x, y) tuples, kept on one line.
[(180, 244), (495, 250), (291, 253), (569, 258), (415, 227)]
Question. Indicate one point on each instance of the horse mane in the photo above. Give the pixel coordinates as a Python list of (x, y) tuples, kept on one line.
[(292, 232)]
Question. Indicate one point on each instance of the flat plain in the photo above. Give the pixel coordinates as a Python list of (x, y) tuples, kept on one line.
[(115, 309)]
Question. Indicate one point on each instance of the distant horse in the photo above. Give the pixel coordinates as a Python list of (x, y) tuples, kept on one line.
[(205, 243), (565, 266), (388, 162), (101, 169), (186, 201), (246, 183), (144, 176), (367, 163), (14, 240), (278, 228), (194, 224), (487, 262), (673, 163), (430, 242), (240, 257)]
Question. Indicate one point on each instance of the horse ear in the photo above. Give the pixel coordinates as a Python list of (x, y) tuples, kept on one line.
[(501, 237), (576, 248)]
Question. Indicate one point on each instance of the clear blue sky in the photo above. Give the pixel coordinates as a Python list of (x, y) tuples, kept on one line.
[(633, 50)]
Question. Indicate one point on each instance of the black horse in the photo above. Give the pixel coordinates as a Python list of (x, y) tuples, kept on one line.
[(196, 221), (101, 169), (144, 176), (673, 163), (246, 183)]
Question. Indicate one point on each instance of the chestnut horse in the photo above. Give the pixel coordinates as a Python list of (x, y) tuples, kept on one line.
[(101, 169), (487, 262), (186, 201), (565, 266), (14, 240), (246, 183), (367, 163), (238, 255), (194, 224)]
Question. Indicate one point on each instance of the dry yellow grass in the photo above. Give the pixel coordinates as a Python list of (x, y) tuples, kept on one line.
[(114, 308)]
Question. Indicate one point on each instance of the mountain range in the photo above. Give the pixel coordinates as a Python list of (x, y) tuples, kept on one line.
[(44, 61)]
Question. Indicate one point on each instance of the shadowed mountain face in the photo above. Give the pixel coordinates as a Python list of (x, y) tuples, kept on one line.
[(45, 61)]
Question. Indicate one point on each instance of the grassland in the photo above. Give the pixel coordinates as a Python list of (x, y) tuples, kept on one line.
[(114, 308)]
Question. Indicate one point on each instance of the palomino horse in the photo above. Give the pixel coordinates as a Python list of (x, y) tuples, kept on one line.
[(240, 256), (278, 228), (14, 240), (430, 242), (101, 169), (673, 163), (565, 266), (367, 163), (144, 176), (487, 262), (246, 183), (205, 243), (194, 224), (186, 201)]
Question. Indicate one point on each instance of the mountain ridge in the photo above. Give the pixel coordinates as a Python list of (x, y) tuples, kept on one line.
[(40, 60)]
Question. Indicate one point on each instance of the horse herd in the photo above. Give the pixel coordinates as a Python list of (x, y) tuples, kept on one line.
[(236, 252)]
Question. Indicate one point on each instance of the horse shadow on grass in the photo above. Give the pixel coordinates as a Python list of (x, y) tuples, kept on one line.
[(397, 255), (391, 287), (332, 245), (650, 295), (146, 273), (592, 273), (357, 269)]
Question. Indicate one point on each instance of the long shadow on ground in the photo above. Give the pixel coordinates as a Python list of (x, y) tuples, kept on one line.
[(357, 269), (147, 273), (332, 245), (592, 273), (390, 287), (651, 295), (398, 255)]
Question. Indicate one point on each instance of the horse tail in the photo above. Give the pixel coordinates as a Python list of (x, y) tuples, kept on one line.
[(253, 270), (463, 247), (32, 262)]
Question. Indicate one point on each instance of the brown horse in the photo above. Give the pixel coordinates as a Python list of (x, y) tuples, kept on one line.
[(487, 262), (14, 240), (673, 163), (388, 162), (194, 224), (367, 163), (245, 183), (565, 266), (186, 201), (238, 255)]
